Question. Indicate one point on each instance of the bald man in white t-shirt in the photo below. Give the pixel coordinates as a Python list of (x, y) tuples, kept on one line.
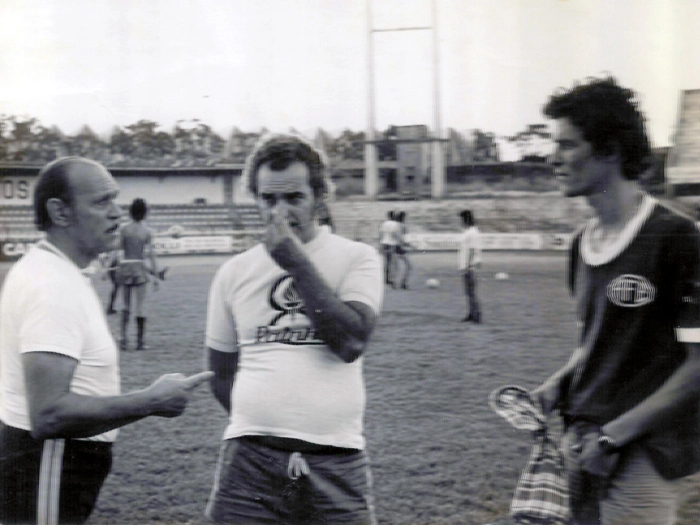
[(60, 398)]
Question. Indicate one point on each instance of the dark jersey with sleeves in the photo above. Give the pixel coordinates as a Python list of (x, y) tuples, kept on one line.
[(637, 304)]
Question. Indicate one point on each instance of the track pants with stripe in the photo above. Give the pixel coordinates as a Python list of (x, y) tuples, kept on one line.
[(50, 482)]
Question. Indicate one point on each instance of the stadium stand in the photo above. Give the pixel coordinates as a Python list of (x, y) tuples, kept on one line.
[(185, 219), (17, 221)]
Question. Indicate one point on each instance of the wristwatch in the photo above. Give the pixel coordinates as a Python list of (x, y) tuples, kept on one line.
[(607, 444)]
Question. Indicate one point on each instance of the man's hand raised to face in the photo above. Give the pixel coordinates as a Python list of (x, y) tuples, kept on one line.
[(280, 240)]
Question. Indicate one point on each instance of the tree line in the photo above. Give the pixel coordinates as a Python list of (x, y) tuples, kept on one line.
[(194, 143)]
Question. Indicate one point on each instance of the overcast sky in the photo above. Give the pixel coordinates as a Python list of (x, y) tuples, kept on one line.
[(303, 63)]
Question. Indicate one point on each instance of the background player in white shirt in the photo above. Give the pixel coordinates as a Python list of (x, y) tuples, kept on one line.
[(389, 239), (287, 324), (469, 262)]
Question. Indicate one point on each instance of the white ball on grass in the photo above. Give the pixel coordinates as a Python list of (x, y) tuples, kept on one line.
[(501, 276), (432, 283)]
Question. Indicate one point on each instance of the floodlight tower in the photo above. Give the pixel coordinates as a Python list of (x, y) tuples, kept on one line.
[(438, 162)]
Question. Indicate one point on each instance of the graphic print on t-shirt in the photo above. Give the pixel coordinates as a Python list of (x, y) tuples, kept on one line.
[(290, 325)]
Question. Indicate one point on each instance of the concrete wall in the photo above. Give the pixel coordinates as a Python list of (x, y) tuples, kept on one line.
[(497, 213)]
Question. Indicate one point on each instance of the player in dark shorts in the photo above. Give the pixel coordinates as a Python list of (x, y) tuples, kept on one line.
[(133, 273)]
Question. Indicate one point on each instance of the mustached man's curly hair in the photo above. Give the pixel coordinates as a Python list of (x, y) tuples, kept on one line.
[(280, 150), (609, 118)]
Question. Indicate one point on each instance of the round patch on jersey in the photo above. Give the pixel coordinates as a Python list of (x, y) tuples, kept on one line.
[(631, 291)]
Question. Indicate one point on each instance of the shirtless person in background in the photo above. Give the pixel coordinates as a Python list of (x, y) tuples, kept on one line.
[(133, 273)]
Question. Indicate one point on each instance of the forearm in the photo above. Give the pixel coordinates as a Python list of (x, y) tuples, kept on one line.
[(221, 389), (678, 394), (550, 392), (224, 365), (78, 416), (343, 328), (152, 257)]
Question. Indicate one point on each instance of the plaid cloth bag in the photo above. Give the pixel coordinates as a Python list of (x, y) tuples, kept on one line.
[(541, 495)]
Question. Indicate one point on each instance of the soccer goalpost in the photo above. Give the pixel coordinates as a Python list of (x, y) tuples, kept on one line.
[(437, 178)]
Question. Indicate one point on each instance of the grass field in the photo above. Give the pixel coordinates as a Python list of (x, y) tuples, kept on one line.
[(438, 454)]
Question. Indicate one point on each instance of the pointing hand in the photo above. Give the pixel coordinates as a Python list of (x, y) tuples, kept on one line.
[(169, 394)]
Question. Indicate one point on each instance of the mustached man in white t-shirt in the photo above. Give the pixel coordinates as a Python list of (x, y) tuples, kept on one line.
[(60, 400), (287, 325)]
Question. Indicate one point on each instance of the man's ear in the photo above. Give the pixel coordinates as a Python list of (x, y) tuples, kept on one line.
[(59, 211), (319, 203), (613, 156)]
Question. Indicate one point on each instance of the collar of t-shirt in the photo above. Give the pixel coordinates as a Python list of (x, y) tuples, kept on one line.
[(628, 233), (47, 246), (318, 241)]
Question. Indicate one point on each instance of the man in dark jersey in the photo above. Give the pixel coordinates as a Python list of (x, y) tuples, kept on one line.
[(629, 394)]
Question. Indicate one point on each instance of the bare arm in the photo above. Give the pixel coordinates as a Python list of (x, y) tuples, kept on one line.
[(344, 327), (224, 366), (151, 254), (550, 392), (679, 393), (56, 412), (674, 397)]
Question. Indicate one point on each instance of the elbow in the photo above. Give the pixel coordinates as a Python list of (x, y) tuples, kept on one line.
[(352, 351), (46, 425)]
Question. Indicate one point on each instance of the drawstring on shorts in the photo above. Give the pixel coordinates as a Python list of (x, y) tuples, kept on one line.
[(297, 466)]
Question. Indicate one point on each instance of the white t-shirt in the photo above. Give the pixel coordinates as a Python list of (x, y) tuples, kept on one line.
[(470, 240), (390, 233), (48, 305), (289, 383)]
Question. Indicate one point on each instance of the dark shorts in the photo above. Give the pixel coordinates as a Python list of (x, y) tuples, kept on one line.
[(256, 484), (51, 481), (132, 273), (400, 250), (388, 249)]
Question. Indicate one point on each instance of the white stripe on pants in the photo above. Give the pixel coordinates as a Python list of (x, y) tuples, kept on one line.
[(50, 482)]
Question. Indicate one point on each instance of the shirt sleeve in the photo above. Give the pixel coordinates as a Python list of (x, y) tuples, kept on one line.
[(477, 246), (52, 320), (221, 326), (687, 258), (363, 280), (462, 252)]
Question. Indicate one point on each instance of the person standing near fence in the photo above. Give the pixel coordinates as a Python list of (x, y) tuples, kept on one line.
[(469, 256), (60, 398), (629, 395), (288, 322), (134, 272), (402, 251), (389, 234)]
